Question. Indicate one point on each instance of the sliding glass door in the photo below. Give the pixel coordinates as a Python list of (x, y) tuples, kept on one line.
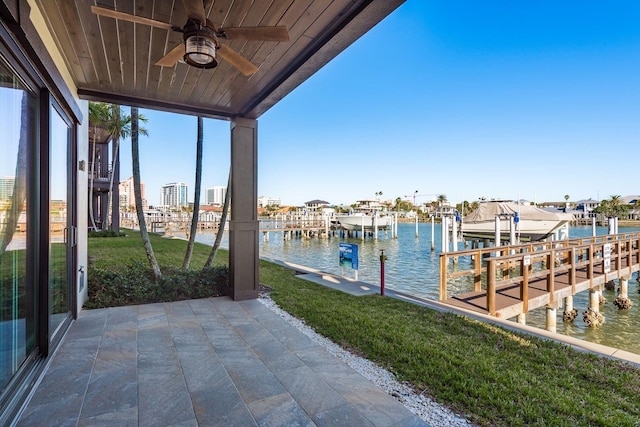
[(18, 300), (62, 233)]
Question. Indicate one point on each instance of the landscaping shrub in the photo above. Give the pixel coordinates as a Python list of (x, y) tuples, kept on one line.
[(134, 284), (106, 233)]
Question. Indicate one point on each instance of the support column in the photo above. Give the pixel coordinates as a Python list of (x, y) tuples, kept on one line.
[(592, 317), (624, 286), (454, 234), (512, 231), (444, 247), (375, 226), (244, 226), (569, 313), (622, 301), (551, 319), (522, 318), (433, 241), (594, 300)]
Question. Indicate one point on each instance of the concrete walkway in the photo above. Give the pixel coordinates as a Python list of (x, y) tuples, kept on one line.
[(199, 363)]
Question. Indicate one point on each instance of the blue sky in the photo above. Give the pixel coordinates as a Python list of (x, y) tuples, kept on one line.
[(493, 99)]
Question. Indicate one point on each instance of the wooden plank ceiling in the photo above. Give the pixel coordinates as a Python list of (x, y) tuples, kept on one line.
[(114, 60)]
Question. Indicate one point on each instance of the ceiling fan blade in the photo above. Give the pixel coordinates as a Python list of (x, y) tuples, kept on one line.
[(276, 34), (130, 18), (174, 55), (212, 26), (195, 10), (234, 58)]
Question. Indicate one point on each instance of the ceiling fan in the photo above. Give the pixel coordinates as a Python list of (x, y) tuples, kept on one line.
[(201, 38)]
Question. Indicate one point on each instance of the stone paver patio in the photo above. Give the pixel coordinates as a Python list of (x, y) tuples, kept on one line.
[(198, 363)]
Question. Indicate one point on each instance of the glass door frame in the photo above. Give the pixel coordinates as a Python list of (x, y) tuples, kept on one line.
[(45, 86), (17, 388), (48, 339)]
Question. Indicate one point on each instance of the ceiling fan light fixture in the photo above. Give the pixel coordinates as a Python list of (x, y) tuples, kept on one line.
[(200, 51)]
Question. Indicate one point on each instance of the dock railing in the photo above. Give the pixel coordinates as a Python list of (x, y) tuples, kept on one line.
[(595, 259)]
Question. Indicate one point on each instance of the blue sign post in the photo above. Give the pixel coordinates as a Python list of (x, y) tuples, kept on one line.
[(349, 255)]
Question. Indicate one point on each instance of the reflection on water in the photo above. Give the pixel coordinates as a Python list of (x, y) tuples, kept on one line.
[(413, 268)]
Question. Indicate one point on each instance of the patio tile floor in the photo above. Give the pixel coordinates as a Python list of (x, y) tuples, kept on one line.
[(208, 362)]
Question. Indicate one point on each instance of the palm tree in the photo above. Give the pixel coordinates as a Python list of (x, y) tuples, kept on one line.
[(223, 220), (117, 126), (196, 198), (442, 198), (464, 208), (613, 207), (619, 208), (137, 191)]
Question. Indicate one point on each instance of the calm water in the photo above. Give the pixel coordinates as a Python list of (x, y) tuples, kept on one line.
[(412, 267)]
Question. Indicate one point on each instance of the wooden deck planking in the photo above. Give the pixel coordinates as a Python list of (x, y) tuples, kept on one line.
[(508, 302)]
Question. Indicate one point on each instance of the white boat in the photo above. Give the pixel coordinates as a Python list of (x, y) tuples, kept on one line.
[(533, 223), (368, 214)]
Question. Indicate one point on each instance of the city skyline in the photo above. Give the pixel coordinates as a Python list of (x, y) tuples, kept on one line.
[(530, 102)]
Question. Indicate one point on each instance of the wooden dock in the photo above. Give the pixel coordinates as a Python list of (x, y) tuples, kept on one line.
[(508, 281), (299, 227)]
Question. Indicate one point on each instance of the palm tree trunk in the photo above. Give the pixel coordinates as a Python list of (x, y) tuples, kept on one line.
[(135, 160), (196, 198), (114, 162), (223, 220), (91, 179)]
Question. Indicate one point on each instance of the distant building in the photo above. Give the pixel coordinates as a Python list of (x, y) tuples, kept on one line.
[(127, 195), (316, 205), (215, 195), (631, 200), (585, 207), (263, 202), (6, 187), (174, 195)]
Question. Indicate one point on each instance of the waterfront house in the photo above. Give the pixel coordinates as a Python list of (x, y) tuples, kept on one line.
[(316, 205), (55, 57), (633, 201), (585, 207)]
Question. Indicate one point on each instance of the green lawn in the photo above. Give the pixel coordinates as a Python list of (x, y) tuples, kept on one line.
[(113, 252), (491, 375)]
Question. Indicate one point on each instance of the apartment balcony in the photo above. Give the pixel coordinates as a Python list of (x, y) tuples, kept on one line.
[(99, 178)]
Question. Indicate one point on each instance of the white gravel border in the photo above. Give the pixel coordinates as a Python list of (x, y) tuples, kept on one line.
[(431, 412)]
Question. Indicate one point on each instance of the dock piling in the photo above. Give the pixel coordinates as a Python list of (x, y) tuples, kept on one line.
[(622, 301), (433, 242), (569, 313), (592, 317), (594, 300), (551, 323)]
